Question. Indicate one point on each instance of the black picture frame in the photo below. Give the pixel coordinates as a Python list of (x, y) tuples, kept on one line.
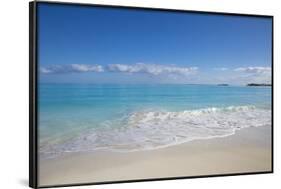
[(33, 92)]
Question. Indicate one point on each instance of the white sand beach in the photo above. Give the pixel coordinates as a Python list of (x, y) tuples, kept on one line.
[(248, 150)]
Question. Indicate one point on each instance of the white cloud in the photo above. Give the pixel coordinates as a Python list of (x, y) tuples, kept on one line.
[(71, 68), (87, 68), (254, 74), (153, 69), (45, 70), (255, 70), (221, 69)]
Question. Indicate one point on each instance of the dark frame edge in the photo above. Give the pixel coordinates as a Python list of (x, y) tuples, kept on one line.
[(33, 180), (272, 94)]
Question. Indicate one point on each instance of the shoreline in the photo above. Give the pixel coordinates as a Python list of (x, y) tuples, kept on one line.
[(248, 150)]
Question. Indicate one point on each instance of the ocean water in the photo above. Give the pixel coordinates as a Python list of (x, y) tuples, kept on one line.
[(125, 118)]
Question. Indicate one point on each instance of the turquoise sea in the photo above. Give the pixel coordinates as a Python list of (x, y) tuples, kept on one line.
[(124, 118)]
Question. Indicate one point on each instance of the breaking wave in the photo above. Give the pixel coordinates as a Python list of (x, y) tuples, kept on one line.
[(147, 130)]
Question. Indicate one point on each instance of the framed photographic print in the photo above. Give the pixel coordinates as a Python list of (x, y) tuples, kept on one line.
[(126, 94)]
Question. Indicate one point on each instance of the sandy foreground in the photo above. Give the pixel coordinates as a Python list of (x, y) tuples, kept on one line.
[(249, 150)]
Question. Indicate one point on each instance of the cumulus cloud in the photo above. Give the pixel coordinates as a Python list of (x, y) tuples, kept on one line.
[(255, 70), (71, 68), (45, 70), (153, 69), (255, 74), (221, 69)]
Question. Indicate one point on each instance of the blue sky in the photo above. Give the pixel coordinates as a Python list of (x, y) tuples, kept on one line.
[(106, 45)]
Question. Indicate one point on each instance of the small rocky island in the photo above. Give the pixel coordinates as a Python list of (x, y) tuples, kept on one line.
[(223, 84), (258, 84)]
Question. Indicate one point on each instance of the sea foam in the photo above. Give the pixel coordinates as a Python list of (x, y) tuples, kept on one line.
[(147, 130)]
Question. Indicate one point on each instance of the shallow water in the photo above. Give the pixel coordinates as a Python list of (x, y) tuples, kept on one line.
[(81, 117)]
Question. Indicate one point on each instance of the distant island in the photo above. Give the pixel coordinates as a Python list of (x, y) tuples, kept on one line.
[(223, 84), (258, 84)]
